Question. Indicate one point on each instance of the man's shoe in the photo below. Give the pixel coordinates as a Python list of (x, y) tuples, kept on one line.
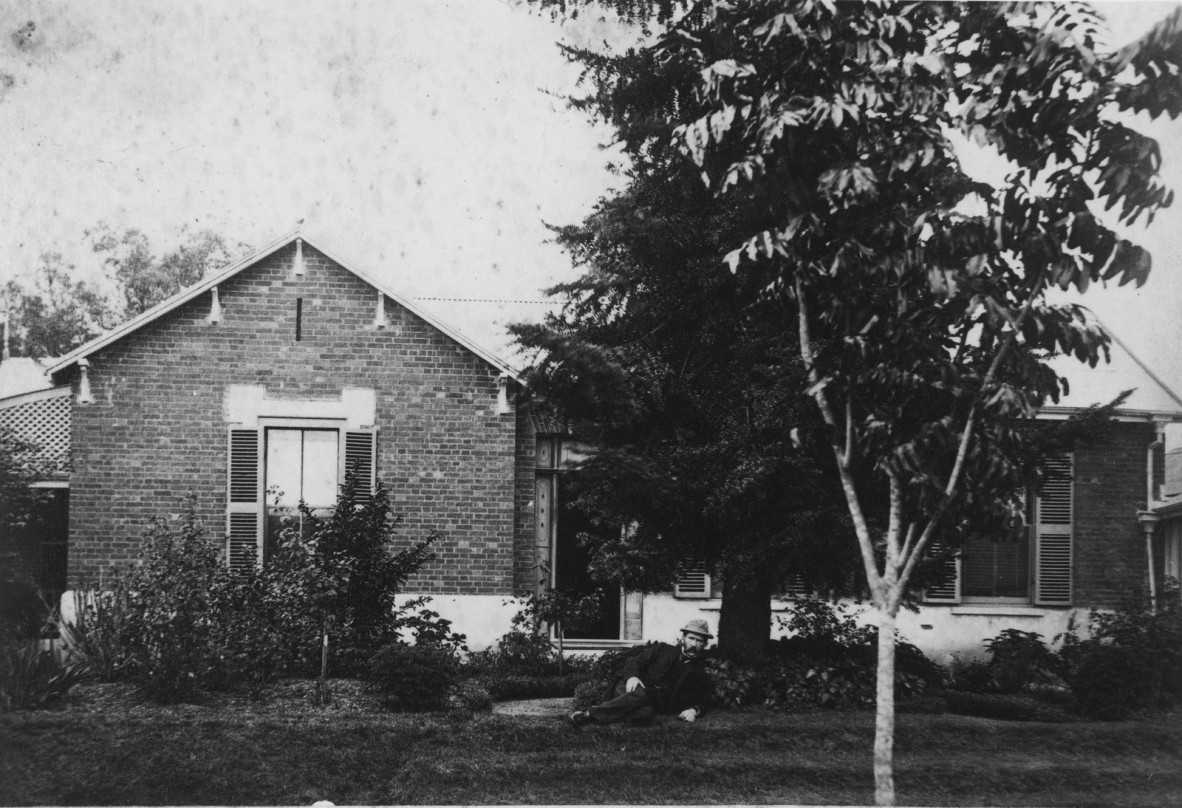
[(580, 718)]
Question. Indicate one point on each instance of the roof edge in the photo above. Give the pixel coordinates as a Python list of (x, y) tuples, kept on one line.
[(1148, 372), (34, 395), (1151, 416)]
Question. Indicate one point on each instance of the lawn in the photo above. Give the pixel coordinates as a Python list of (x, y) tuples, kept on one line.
[(285, 751)]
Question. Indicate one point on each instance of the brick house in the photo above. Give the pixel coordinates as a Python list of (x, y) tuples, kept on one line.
[(257, 387)]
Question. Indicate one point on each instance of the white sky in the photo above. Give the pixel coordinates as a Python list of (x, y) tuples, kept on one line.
[(427, 140)]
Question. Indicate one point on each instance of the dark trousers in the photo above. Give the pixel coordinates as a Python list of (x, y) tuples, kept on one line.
[(636, 707)]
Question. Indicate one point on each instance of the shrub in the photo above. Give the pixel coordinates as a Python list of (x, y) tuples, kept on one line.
[(470, 697), (734, 685), (831, 661), (1143, 643), (32, 677), (98, 635), (412, 677), (23, 612), (1111, 681), (589, 692), (172, 598), (427, 627), (1019, 660), (597, 676)]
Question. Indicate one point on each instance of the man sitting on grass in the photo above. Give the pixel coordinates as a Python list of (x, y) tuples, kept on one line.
[(663, 678)]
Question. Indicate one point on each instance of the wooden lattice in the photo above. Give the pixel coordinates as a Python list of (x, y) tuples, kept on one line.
[(42, 418)]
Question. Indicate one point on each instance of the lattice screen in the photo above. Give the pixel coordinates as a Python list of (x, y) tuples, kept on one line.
[(43, 419)]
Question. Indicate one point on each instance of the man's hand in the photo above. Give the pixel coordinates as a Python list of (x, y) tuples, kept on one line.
[(632, 683), (690, 715)]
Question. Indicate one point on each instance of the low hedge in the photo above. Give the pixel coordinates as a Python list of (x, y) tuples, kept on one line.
[(1003, 706), (516, 686)]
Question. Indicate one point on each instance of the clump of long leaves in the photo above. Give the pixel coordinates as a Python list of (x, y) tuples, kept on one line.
[(32, 677)]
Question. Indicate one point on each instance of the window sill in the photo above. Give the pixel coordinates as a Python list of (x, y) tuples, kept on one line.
[(594, 645), (999, 609)]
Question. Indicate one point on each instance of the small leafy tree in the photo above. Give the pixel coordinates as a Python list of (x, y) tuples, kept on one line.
[(348, 572), (563, 611)]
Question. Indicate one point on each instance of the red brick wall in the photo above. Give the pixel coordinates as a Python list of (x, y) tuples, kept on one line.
[(1110, 481), (157, 429), (525, 573)]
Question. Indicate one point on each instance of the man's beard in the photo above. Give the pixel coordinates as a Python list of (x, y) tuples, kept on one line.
[(691, 651)]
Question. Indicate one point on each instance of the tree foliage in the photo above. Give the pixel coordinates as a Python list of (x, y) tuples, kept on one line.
[(920, 295), (145, 279), (54, 310)]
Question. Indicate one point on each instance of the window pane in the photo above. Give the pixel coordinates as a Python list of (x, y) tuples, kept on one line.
[(320, 469), (996, 569), (283, 466)]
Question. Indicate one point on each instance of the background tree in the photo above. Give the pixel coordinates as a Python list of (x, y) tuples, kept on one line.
[(55, 310), (54, 313), (144, 279), (919, 296)]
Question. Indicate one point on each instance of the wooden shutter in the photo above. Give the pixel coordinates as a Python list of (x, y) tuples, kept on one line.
[(694, 582), (948, 591), (1054, 507), (361, 454), (244, 510), (794, 588)]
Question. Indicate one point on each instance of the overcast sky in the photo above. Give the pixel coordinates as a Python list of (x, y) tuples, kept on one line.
[(426, 139)]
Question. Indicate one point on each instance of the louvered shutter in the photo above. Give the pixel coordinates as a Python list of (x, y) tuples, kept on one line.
[(693, 582), (948, 590), (244, 506), (1052, 533), (360, 454), (795, 588)]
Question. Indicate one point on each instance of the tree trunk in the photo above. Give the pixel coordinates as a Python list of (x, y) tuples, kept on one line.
[(884, 718), (561, 656), (744, 624)]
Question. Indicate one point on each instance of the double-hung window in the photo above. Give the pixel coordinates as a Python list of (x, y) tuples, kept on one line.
[(276, 466), (1033, 568)]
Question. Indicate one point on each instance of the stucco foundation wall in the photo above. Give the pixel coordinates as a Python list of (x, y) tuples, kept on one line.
[(944, 634), (158, 429)]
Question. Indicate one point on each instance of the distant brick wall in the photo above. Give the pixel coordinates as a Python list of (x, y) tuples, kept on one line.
[(1110, 487), (525, 572), (157, 428)]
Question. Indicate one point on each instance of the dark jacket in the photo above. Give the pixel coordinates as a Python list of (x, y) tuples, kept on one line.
[(671, 687)]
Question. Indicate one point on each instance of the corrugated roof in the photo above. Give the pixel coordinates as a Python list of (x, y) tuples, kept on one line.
[(22, 374)]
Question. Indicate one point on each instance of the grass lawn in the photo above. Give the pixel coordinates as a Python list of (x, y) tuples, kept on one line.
[(288, 752)]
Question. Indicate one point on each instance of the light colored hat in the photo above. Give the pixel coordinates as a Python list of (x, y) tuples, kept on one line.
[(697, 627)]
